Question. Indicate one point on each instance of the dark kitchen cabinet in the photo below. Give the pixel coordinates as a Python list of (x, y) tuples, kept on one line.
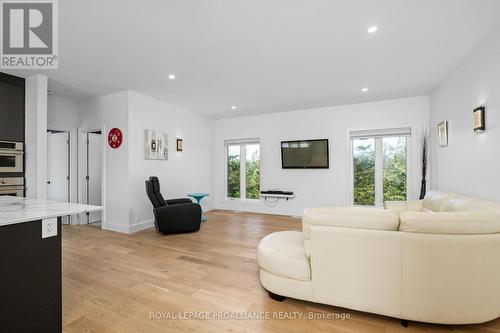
[(11, 108), (31, 289)]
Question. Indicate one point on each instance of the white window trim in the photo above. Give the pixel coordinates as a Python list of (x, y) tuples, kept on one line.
[(243, 171), (243, 150), (379, 173), (379, 195)]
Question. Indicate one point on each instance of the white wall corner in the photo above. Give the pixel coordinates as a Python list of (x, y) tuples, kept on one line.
[(124, 229)]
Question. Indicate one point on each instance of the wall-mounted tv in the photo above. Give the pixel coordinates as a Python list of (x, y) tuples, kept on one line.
[(305, 154)]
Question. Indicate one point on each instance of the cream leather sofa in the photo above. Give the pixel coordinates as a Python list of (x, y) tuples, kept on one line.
[(436, 260)]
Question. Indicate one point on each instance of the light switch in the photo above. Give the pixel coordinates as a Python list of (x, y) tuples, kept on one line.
[(49, 227)]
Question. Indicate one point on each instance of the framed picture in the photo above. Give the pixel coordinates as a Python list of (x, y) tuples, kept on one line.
[(180, 146), (443, 134), (479, 119), (155, 145)]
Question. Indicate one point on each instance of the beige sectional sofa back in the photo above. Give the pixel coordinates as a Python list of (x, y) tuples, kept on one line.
[(436, 201), (447, 213)]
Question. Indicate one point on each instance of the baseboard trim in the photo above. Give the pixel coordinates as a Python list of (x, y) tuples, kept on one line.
[(261, 210), (115, 227), (141, 226), (128, 229)]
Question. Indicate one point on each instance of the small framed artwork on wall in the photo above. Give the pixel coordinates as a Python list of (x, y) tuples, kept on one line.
[(479, 119), (155, 145), (443, 134), (180, 146)]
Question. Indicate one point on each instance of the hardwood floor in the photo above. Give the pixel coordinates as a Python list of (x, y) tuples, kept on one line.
[(113, 282)]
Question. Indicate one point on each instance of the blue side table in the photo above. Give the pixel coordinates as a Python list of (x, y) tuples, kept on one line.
[(198, 197)]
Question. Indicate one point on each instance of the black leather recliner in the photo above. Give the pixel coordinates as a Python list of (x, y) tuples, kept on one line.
[(175, 215)]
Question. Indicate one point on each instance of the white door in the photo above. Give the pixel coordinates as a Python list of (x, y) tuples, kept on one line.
[(58, 166), (94, 153)]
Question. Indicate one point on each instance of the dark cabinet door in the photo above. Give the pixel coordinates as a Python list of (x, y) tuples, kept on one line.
[(30, 275), (11, 112)]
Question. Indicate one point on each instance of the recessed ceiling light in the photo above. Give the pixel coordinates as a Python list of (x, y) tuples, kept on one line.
[(364, 90), (233, 107), (171, 76), (373, 29)]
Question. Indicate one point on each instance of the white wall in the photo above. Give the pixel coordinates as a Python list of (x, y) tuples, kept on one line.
[(183, 172), (200, 167), (127, 208), (62, 112), (315, 187), (90, 115), (104, 113), (469, 165)]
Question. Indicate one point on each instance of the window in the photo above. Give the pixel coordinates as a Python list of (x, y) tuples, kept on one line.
[(233, 171), (394, 168), (379, 166), (252, 171), (242, 169), (364, 171)]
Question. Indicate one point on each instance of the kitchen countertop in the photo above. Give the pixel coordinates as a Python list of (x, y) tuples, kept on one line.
[(15, 210)]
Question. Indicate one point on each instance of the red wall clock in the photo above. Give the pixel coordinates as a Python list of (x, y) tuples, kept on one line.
[(115, 138)]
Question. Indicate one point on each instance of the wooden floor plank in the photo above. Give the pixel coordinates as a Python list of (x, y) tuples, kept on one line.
[(112, 282)]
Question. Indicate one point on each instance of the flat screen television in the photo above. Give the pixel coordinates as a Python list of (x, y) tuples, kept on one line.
[(305, 154)]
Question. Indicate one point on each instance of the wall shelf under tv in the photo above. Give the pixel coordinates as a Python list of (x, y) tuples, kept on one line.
[(284, 196)]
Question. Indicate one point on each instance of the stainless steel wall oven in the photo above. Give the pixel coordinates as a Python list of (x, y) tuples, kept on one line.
[(11, 156)]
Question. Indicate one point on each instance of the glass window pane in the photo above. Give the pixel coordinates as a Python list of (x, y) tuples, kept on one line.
[(233, 171), (394, 182), (363, 152), (252, 167)]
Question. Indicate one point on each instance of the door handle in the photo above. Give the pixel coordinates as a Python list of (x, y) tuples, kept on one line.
[(48, 182)]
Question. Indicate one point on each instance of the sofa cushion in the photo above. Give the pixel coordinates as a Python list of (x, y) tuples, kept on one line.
[(307, 247), (470, 222), (436, 201), (460, 203), (282, 254), (404, 206), (350, 217)]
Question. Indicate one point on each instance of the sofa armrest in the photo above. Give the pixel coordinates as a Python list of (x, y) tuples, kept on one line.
[(178, 201), (184, 211), (470, 222), (404, 206), (178, 218), (349, 217)]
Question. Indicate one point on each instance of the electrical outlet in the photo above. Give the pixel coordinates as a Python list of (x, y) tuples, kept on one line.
[(49, 227)]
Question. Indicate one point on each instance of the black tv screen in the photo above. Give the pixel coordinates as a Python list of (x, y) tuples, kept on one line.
[(305, 154)]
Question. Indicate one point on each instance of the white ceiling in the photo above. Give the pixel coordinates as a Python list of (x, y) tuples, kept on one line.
[(264, 55)]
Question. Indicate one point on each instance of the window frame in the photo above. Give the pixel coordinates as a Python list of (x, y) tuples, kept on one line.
[(243, 157), (378, 135)]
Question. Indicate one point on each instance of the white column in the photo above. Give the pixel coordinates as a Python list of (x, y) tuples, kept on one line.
[(36, 137)]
